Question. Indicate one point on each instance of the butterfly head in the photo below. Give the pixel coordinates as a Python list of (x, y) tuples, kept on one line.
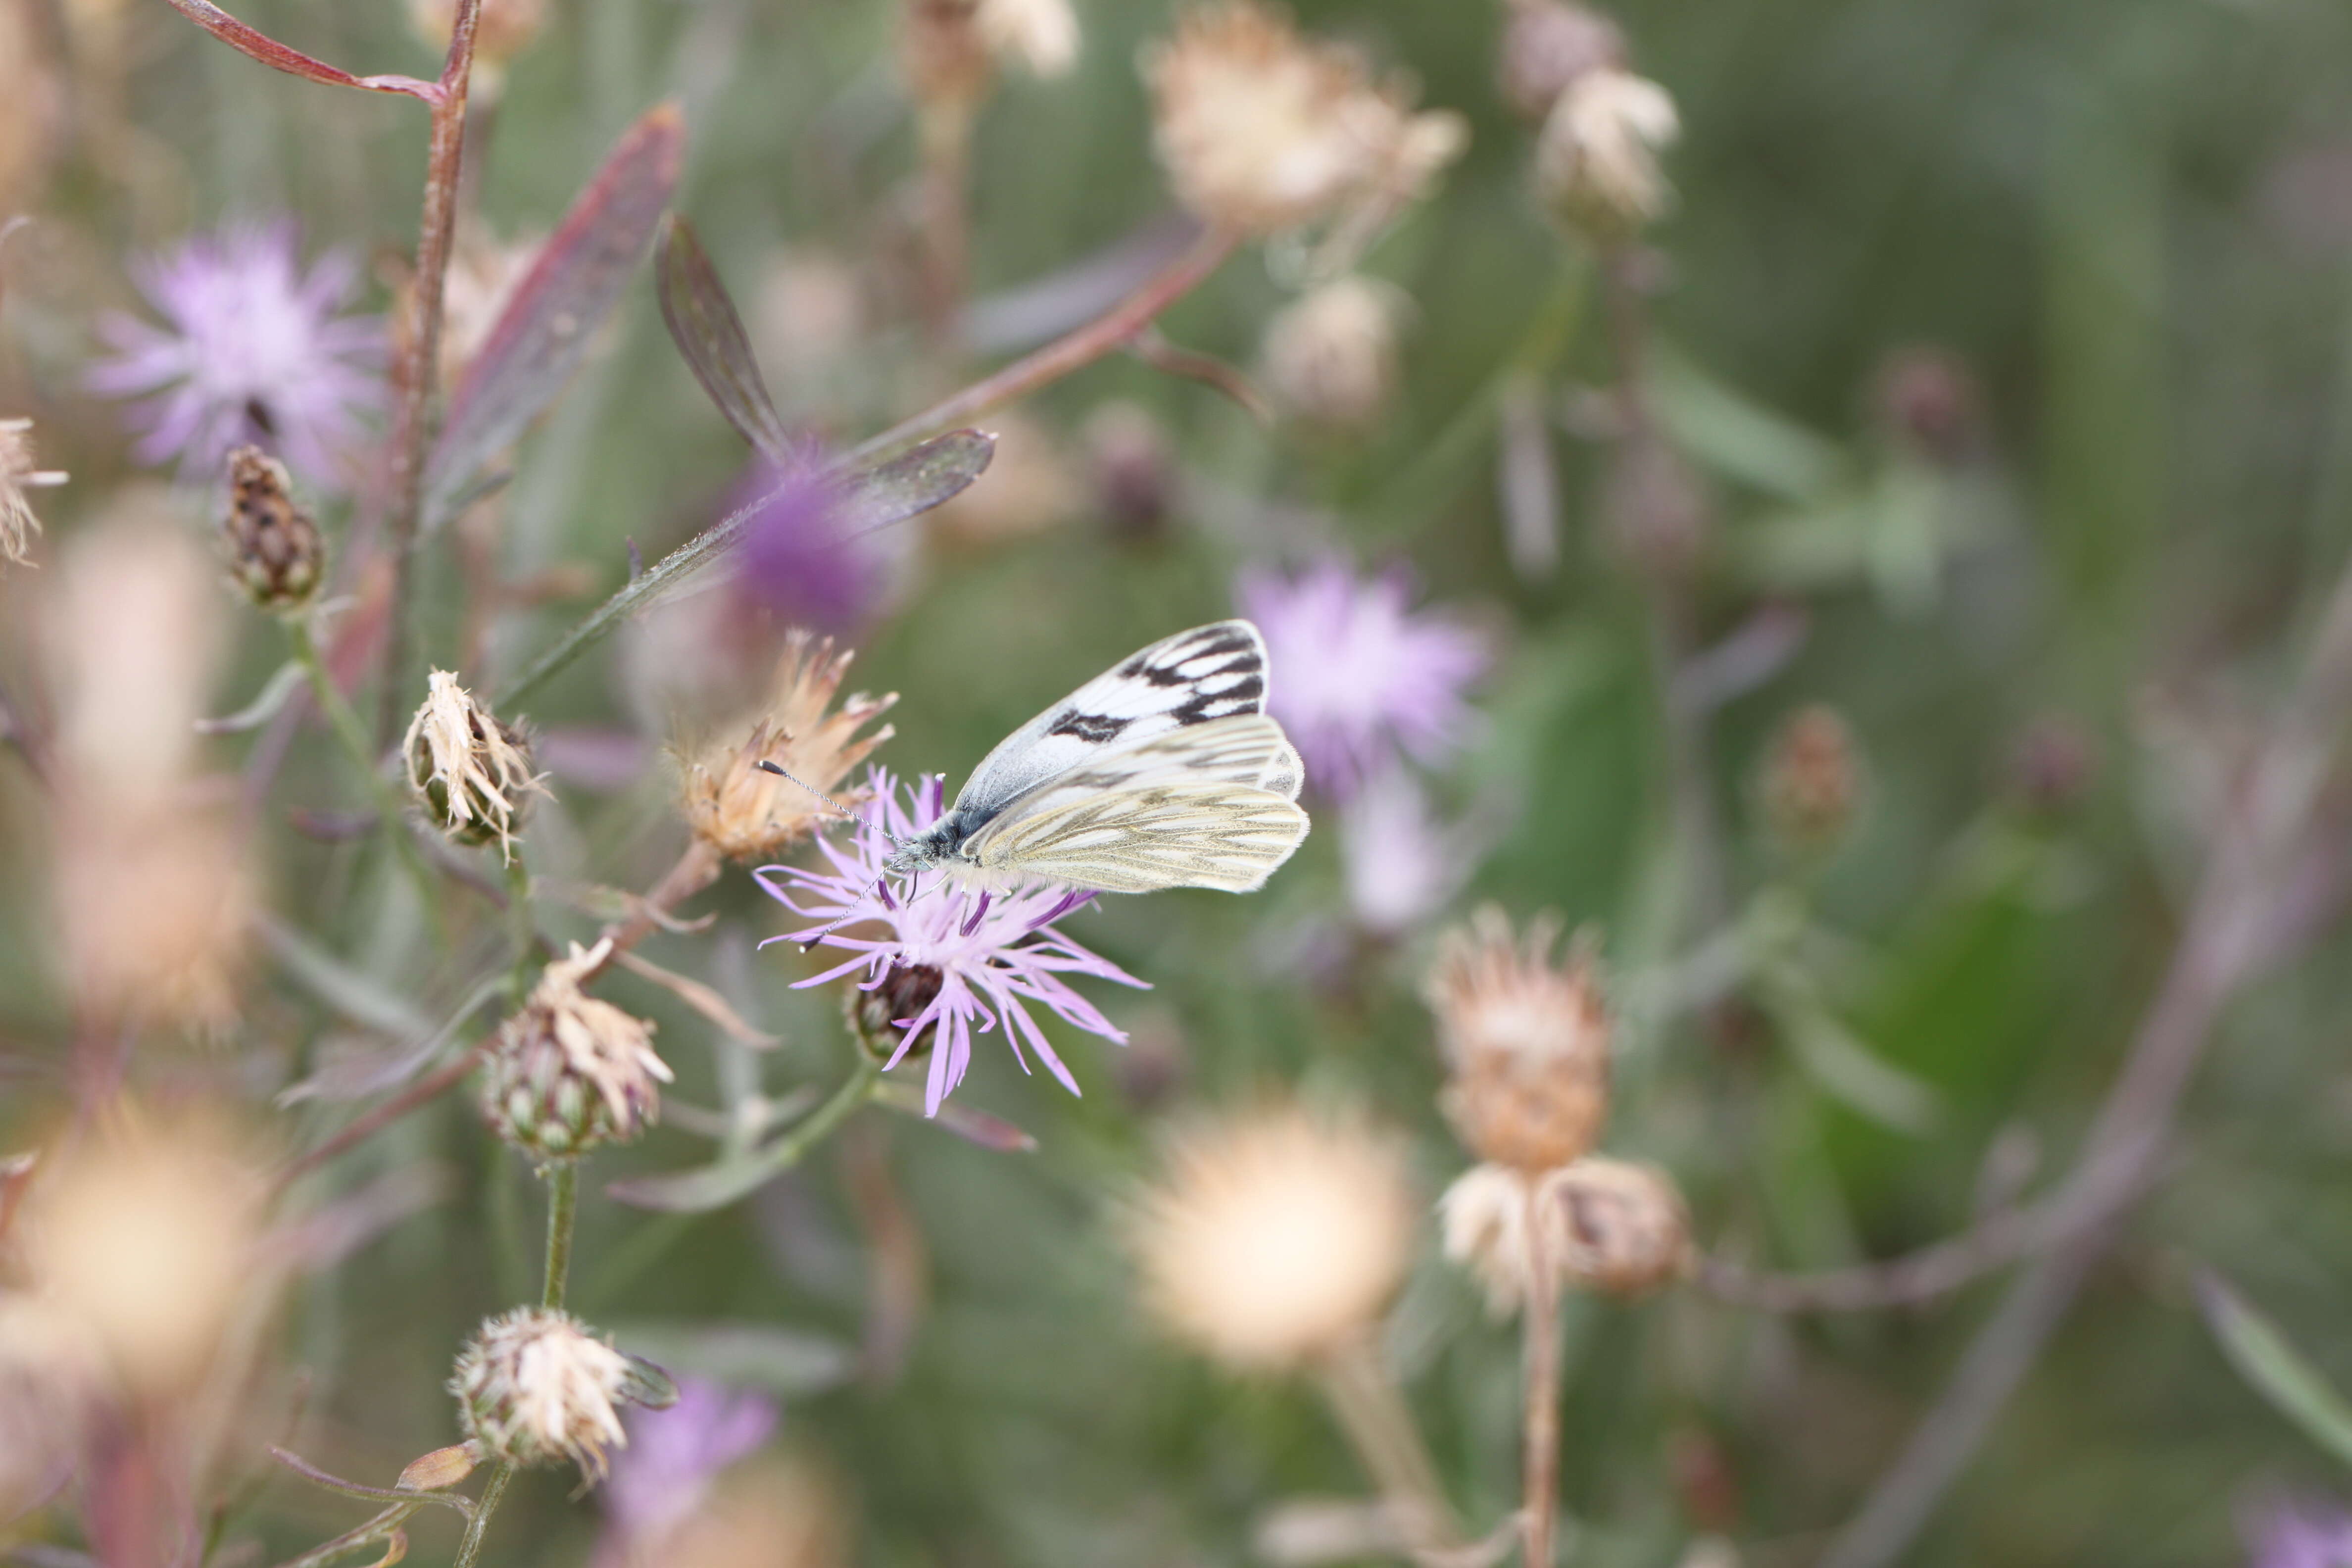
[(935, 846)]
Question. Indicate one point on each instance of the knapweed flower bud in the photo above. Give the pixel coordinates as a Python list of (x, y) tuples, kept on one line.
[(1262, 131), (274, 551), (1813, 781), (748, 813), (441, 1468), (535, 1387), (1546, 45), (1526, 1042), (906, 993), (1623, 1228), (569, 1072), (1275, 1235), (1331, 356), (17, 475), (1597, 158), (470, 768)]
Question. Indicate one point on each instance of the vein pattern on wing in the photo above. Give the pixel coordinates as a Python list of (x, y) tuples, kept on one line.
[(1135, 840)]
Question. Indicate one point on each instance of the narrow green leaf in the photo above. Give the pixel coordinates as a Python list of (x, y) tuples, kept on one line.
[(708, 332), (2275, 1368)]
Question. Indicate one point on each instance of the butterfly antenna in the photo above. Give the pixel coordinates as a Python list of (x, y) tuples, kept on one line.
[(766, 766)]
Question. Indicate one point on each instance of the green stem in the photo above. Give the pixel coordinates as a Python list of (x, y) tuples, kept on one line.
[(382, 1525), (562, 1209), (469, 1549), (521, 926), (389, 805)]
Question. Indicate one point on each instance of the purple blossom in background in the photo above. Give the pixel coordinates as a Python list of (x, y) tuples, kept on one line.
[(950, 957), (2292, 1535), (1403, 866), (1359, 678), (253, 353), (672, 1456), (793, 559)]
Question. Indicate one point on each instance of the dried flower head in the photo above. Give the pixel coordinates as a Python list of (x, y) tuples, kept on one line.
[(748, 813), (1546, 45), (1276, 1235), (1027, 489), (1039, 36), (17, 475), (1526, 1042), (274, 550), (1365, 677), (1486, 1222), (1263, 131), (470, 768), (950, 50), (144, 1240), (1597, 159), (1133, 465), (1622, 1227), (1812, 780), (535, 1387), (1331, 357), (569, 1072), (255, 355), (972, 959)]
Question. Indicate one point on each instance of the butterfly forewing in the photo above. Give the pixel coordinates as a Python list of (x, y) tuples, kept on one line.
[(1136, 841), (1246, 750), (1195, 677)]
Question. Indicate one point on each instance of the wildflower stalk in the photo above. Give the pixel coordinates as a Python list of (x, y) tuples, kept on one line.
[(414, 374), (1372, 1414), (522, 926), (1114, 328), (563, 1211), (383, 1526), (1539, 1370), (340, 718)]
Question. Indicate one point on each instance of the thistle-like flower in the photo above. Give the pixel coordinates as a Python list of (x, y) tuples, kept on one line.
[(470, 768), (2298, 1535), (745, 811), (1331, 357), (970, 958), (796, 562), (1811, 783), (1263, 131), (1364, 678), (535, 1387), (569, 1072), (1597, 158), (1526, 1042), (1275, 1235), (255, 355), (274, 550), (17, 475)]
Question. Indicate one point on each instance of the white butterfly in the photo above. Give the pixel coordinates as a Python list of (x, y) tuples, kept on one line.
[(1163, 772)]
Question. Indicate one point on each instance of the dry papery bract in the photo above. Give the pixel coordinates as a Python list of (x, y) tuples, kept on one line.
[(1526, 1041), (535, 1387), (748, 813), (1601, 1224), (1331, 356), (1276, 1233), (470, 768), (273, 546), (569, 1072), (19, 473), (1263, 131), (1597, 158)]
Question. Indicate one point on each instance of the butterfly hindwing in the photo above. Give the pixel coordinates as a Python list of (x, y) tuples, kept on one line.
[(1247, 750), (1195, 677), (1153, 835)]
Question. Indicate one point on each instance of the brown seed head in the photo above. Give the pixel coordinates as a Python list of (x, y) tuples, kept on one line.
[(1331, 357), (535, 1387), (274, 550), (1275, 1235), (1812, 780), (17, 475), (1526, 1042), (1546, 45), (1263, 131), (748, 813), (1597, 159), (1028, 487), (569, 1072), (470, 768), (1623, 1227)]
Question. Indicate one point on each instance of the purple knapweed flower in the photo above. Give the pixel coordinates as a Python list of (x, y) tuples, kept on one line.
[(1358, 679), (2296, 1535), (1401, 865), (795, 559), (946, 958), (665, 1474), (253, 353)]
